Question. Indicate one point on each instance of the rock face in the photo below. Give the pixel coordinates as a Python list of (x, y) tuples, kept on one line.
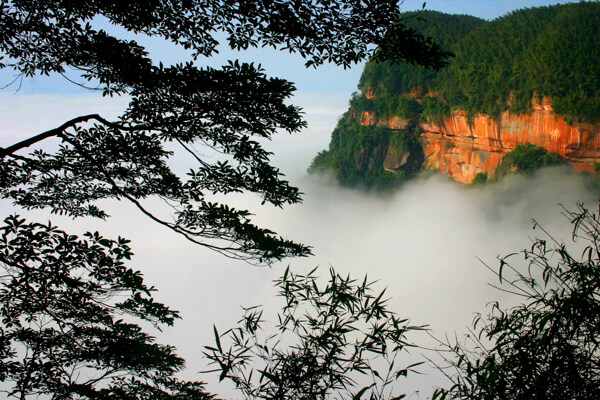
[(461, 149)]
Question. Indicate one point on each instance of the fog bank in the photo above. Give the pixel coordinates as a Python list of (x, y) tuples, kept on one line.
[(423, 243)]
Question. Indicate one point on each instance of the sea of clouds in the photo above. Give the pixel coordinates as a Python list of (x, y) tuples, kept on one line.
[(425, 243)]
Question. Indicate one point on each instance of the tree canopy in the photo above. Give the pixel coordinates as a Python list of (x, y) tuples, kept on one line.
[(220, 110), (503, 64)]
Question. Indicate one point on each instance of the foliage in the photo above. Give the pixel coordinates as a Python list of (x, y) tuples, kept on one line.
[(327, 337), (547, 347), (503, 64), (322, 31), (387, 106), (356, 154), (447, 30), (67, 312), (480, 178), (528, 158), (220, 110), (434, 109)]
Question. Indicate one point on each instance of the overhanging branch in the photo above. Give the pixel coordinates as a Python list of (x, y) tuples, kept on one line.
[(57, 131)]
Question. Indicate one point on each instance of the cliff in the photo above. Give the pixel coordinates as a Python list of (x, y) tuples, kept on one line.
[(530, 77), (461, 150)]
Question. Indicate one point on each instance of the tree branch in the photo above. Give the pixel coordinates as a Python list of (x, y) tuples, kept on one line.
[(228, 251), (57, 131)]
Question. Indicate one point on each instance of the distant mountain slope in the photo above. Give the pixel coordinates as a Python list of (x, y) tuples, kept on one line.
[(532, 76)]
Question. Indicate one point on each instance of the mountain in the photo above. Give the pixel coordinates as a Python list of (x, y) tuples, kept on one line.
[(529, 77)]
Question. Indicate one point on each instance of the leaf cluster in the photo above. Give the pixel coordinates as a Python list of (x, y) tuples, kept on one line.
[(547, 347), (44, 35), (328, 337), (68, 307)]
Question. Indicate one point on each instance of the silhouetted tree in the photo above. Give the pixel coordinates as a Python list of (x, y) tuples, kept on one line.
[(220, 110), (547, 347), (329, 339), (66, 320), (60, 336)]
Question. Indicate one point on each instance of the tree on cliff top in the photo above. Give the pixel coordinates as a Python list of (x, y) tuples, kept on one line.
[(60, 336)]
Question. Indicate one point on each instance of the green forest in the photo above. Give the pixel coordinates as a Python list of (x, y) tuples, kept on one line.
[(497, 65)]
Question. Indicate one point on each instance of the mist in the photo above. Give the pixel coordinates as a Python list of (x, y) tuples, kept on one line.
[(425, 243)]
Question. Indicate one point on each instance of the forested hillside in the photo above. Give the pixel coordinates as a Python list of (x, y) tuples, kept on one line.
[(545, 56)]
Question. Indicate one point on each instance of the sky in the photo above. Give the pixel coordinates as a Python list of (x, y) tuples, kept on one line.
[(423, 243)]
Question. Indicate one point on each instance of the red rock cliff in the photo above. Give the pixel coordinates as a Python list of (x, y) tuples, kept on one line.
[(461, 150)]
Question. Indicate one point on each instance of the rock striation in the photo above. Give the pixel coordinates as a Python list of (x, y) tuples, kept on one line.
[(461, 149)]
